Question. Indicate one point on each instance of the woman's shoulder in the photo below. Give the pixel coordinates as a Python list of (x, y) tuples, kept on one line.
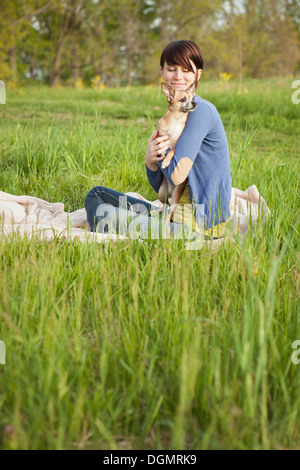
[(206, 108), (204, 103)]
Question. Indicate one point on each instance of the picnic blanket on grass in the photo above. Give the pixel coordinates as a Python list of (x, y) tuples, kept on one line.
[(33, 217)]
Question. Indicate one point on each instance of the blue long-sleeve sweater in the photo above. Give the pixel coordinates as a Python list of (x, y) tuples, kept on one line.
[(202, 156)]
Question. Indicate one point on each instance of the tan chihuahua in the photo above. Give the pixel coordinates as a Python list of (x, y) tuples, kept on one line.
[(180, 104)]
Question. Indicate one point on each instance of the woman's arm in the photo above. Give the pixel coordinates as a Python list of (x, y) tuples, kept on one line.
[(156, 147)]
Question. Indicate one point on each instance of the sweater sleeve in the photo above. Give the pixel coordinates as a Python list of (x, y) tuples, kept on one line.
[(198, 124), (155, 178)]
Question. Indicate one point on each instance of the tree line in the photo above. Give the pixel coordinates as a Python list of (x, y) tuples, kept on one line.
[(118, 42)]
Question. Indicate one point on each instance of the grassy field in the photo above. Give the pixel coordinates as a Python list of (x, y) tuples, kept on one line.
[(134, 345)]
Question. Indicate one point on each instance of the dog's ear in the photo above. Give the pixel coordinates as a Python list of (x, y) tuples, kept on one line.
[(168, 91), (191, 89)]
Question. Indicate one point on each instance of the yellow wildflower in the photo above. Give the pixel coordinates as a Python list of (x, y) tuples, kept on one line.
[(225, 76), (97, 83), (79, 84)]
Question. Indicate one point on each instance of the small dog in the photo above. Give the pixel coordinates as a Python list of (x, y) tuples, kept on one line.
[(180, 104)]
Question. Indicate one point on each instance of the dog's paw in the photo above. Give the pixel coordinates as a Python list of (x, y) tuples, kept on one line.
[(165, 163)]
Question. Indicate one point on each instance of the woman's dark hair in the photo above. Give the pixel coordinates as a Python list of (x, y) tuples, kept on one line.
[(180, 53)]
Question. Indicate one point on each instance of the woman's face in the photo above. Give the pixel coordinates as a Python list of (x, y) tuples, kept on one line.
[(178, 77)]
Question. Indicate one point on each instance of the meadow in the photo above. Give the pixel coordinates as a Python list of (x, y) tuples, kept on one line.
[(133, 345)]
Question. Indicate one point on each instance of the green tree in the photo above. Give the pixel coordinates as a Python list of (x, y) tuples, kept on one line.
[(172, 20), (254, 38), (15, 22)]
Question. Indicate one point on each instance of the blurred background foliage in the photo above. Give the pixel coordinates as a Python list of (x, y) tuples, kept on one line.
[(102, 43)]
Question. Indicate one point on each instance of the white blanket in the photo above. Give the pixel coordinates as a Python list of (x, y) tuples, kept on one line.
[(34, 217)]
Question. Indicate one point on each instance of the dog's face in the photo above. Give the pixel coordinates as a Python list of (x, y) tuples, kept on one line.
[(180, 100)]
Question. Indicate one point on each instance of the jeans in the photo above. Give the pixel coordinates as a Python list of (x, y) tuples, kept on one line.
[(111, 211)]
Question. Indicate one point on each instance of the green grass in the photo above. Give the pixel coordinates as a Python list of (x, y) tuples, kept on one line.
[(135, 345)]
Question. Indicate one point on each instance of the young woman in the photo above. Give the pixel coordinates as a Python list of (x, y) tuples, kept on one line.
[(201, 156)]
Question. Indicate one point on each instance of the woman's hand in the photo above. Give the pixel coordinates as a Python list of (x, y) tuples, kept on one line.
[(156, 149)]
